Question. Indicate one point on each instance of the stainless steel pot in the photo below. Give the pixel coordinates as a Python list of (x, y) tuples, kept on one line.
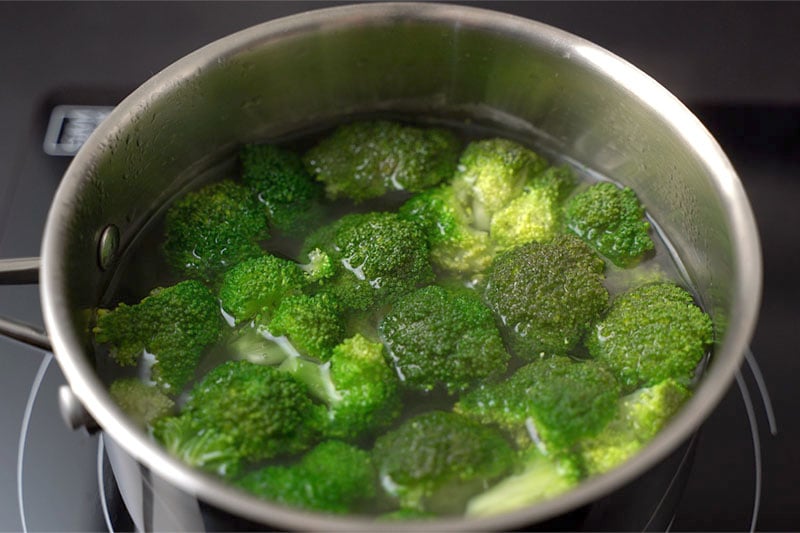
[(436, 60)]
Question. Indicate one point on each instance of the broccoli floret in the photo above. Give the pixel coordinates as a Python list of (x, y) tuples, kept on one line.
[(611, 220), (652, 333), (334, 477), (547, 294), (532, 216), (173, 324), (266, 412), (313, 324), (319, 267), (639, 417), (366, 159), (440, 337), (552, 402), (538, 478), (279, 179), (378, 257), (436, 461), (357, 385), (198, 446), (256, 287), (455, 245), (143, 403), (490, 174), (536, 214), (210, 230), (404, 515)]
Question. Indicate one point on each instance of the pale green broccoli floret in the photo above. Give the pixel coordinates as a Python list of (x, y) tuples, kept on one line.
[(455, 245), (534, 215), (553, 402), (210, 230), (652, 333), (491, 173), (443, 338), (639, 417), (436, 461), (266, 413), (611, 220), (198, 446), (334, 477), (537, 478), (378, 257), (143, 403), (358, 387), (547, 295), (312, 324), (281, 183), (173, 324), (367, 159)]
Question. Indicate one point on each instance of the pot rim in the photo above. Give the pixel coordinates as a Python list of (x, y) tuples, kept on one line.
[(93, 394)]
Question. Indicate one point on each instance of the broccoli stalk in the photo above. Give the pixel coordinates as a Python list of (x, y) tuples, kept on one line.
[(357, 386), (367, 159), (334, 477), (174, 325)]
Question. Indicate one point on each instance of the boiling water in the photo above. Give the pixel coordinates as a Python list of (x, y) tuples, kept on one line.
[(143, 266)]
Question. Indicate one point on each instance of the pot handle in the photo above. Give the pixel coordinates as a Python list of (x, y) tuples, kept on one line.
[(22, 271)]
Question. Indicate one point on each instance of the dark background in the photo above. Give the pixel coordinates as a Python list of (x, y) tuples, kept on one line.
[(735, 64)]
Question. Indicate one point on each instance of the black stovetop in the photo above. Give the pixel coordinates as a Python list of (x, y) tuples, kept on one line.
[(735, 65)]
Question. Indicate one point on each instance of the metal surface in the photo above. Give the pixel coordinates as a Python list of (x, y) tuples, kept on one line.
[(22, 271), (437, 60), (73, 413)]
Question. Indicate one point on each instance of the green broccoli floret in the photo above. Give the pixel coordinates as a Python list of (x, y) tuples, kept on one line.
[(652, 333), (334, 477), (491, 173), (440, 337), (436, 461), (455, 244), (547, 294), (142, 402), (266, 412), (611, 220), (405, 515), (210, 230), (366, 159), (552, 402), (313, 324), (538, 478), (378, 257), (279, 179), (173, 324), (639, 417), (198, 446), (358, 387), (256, 287)]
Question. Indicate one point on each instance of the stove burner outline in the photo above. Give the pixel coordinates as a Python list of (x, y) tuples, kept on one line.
[(26, 419)]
